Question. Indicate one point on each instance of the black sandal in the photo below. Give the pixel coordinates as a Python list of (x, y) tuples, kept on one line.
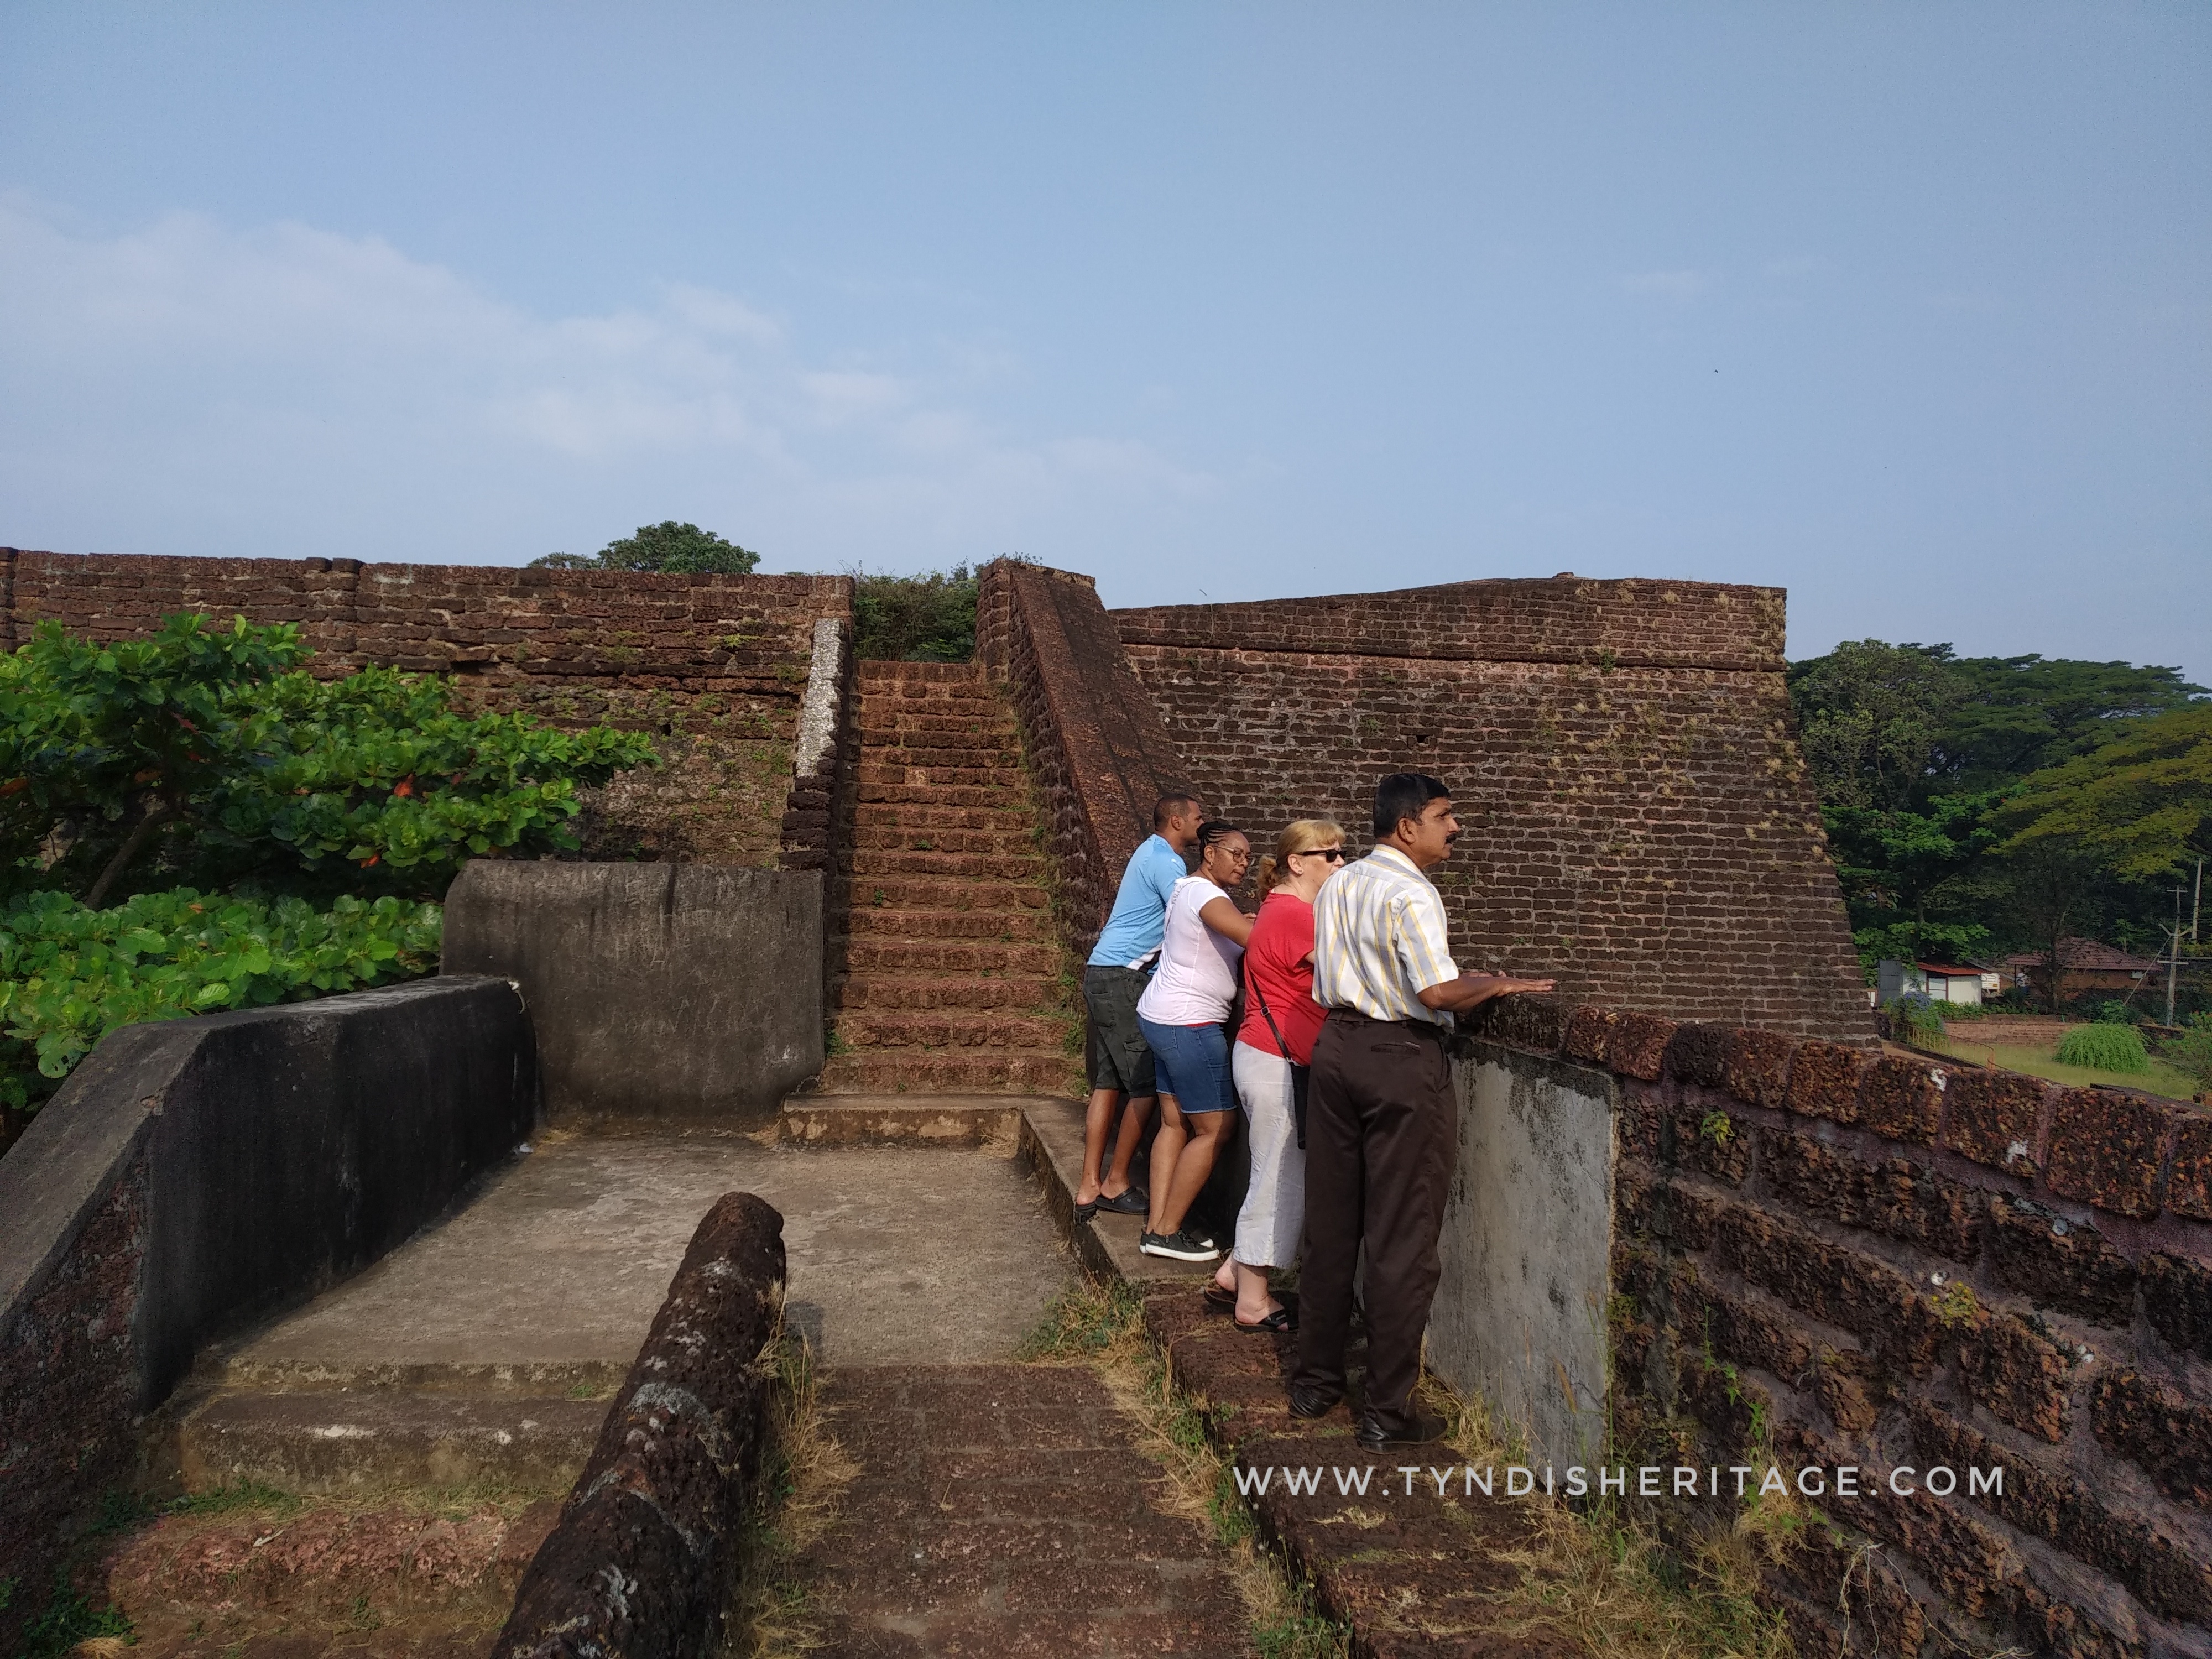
[(1219, 1300), (1275, 1324)]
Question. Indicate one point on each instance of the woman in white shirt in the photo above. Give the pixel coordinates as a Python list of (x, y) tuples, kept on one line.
[(1182, 1014)]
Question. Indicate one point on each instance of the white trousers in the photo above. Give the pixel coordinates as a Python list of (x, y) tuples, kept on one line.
[(1275, 1203)]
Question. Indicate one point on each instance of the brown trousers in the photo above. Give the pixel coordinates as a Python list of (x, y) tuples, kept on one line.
[(1382, 1135)]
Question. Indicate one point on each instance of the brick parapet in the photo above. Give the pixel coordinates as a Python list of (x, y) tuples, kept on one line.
[(1609, 625), (1097, 749), (715, 665), (1850, 1258)]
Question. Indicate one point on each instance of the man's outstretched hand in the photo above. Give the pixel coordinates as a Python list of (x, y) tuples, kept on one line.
[(1471, 990)]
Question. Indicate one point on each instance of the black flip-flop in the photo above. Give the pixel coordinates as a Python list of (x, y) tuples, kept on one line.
[(1084, 1211), (1220, 1301), (1275, 1324)]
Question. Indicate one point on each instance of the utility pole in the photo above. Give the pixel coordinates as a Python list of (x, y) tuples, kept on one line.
[(2196, 904), (2173, 958)]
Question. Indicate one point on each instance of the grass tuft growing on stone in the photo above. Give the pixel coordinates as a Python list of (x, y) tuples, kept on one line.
[(803, 1473)]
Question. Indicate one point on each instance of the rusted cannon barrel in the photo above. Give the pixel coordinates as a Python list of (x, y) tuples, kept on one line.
[(638, 1562)]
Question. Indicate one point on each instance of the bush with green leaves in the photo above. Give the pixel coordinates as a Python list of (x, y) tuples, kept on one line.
[(925, 618), (193, 822), (2104, 1047), (208, 755), (69, 974), (2190, 1054), (1913, 1018)]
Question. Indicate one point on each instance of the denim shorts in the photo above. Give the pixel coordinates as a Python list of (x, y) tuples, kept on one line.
[(1192, 1062)]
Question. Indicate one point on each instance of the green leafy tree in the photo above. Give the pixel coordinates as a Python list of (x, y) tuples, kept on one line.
[(300, 827), (205, 754), (1916, 752), (668, 546), (2142, 801)]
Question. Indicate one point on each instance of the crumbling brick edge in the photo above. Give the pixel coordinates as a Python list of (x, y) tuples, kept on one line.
[(642, 1553)]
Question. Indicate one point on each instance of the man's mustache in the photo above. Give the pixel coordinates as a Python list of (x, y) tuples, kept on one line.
[(1454, 836)]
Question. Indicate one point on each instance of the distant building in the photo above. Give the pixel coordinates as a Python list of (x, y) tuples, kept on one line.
[(1939, 982), (2084, 964)]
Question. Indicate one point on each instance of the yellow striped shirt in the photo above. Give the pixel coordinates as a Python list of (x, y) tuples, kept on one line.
[(1380, 938)]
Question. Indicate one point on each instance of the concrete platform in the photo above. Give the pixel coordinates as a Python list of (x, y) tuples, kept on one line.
[(552, 1274)]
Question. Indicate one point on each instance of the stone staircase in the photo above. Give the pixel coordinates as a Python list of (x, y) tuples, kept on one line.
[(949, 967)]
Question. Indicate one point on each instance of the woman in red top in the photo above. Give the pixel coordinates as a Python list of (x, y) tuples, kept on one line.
[(1278, 972)]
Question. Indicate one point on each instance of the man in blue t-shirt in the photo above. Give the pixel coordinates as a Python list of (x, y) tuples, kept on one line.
[(1121, 964)]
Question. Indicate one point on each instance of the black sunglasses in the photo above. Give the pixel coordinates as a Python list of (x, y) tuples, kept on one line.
[(1333, 854)]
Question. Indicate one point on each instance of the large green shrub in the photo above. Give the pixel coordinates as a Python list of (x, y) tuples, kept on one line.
[(925, 618), (193, 822), (2191, 1053), (2103, 1046), (70, 974), (206, 756)]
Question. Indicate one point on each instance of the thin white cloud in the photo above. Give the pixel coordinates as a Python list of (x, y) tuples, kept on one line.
[(194, 366), (1677, 285)]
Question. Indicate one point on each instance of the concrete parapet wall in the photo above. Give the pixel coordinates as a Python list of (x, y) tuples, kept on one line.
[(1821, 1256), (195, 1172), (657, 990)]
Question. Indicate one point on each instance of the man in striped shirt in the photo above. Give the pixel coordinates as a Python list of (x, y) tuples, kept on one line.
[(1381, 1126)]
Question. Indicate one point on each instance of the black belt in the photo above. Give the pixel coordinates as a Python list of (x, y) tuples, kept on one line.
[(1353, 1015)]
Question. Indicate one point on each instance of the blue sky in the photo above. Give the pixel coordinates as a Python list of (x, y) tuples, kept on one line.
[(1907, 309)]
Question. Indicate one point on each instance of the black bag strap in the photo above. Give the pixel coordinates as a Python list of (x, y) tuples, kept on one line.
[(1260, 996)]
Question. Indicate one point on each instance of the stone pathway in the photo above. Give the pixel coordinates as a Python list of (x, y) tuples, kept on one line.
[(1007, 1510)]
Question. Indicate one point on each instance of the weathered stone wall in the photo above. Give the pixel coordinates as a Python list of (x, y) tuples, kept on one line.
[(716, 667), (1823, 1256), (656, 990), (1099, 753), (1640, 822), (192, 1172)]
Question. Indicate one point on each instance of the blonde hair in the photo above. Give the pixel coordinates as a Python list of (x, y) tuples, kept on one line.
[(1304, 837)]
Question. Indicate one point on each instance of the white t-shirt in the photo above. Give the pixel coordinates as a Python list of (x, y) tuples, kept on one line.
[(1197, 976)]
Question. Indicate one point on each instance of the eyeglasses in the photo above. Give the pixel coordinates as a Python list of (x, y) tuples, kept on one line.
[(1333, 854)]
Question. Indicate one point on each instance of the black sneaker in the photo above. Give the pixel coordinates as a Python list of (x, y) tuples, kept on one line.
[(1181, 1246)]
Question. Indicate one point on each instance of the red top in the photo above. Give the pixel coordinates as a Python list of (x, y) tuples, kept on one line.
[(1278, 958)]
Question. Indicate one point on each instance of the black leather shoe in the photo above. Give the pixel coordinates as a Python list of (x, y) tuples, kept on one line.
[(1312, 1403), (1418, 1429)]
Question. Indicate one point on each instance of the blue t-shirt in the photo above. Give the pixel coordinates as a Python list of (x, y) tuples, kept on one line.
[(1140, 917)]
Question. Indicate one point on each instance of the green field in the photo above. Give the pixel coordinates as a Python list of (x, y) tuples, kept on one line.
[(2160, 1079)]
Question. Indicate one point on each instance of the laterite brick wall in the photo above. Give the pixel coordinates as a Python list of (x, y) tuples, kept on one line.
[(716, 667), (1827, 1257), (1100, 755), (1640, 822)]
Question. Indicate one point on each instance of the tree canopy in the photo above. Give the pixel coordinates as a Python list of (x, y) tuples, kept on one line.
[(1984, 803), (668, 547)]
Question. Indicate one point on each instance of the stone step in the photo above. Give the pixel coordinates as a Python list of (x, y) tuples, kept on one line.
[(375, 1440), (923, 1071), (877, 672), (1029, 993), (940, 892), (929, 720), (892, 1028), (1005, 926), (935, 757), (925, 699), (981, 842), (1001, 795), (941, 777), (988, 1121), (914, 815), (947, 957)]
